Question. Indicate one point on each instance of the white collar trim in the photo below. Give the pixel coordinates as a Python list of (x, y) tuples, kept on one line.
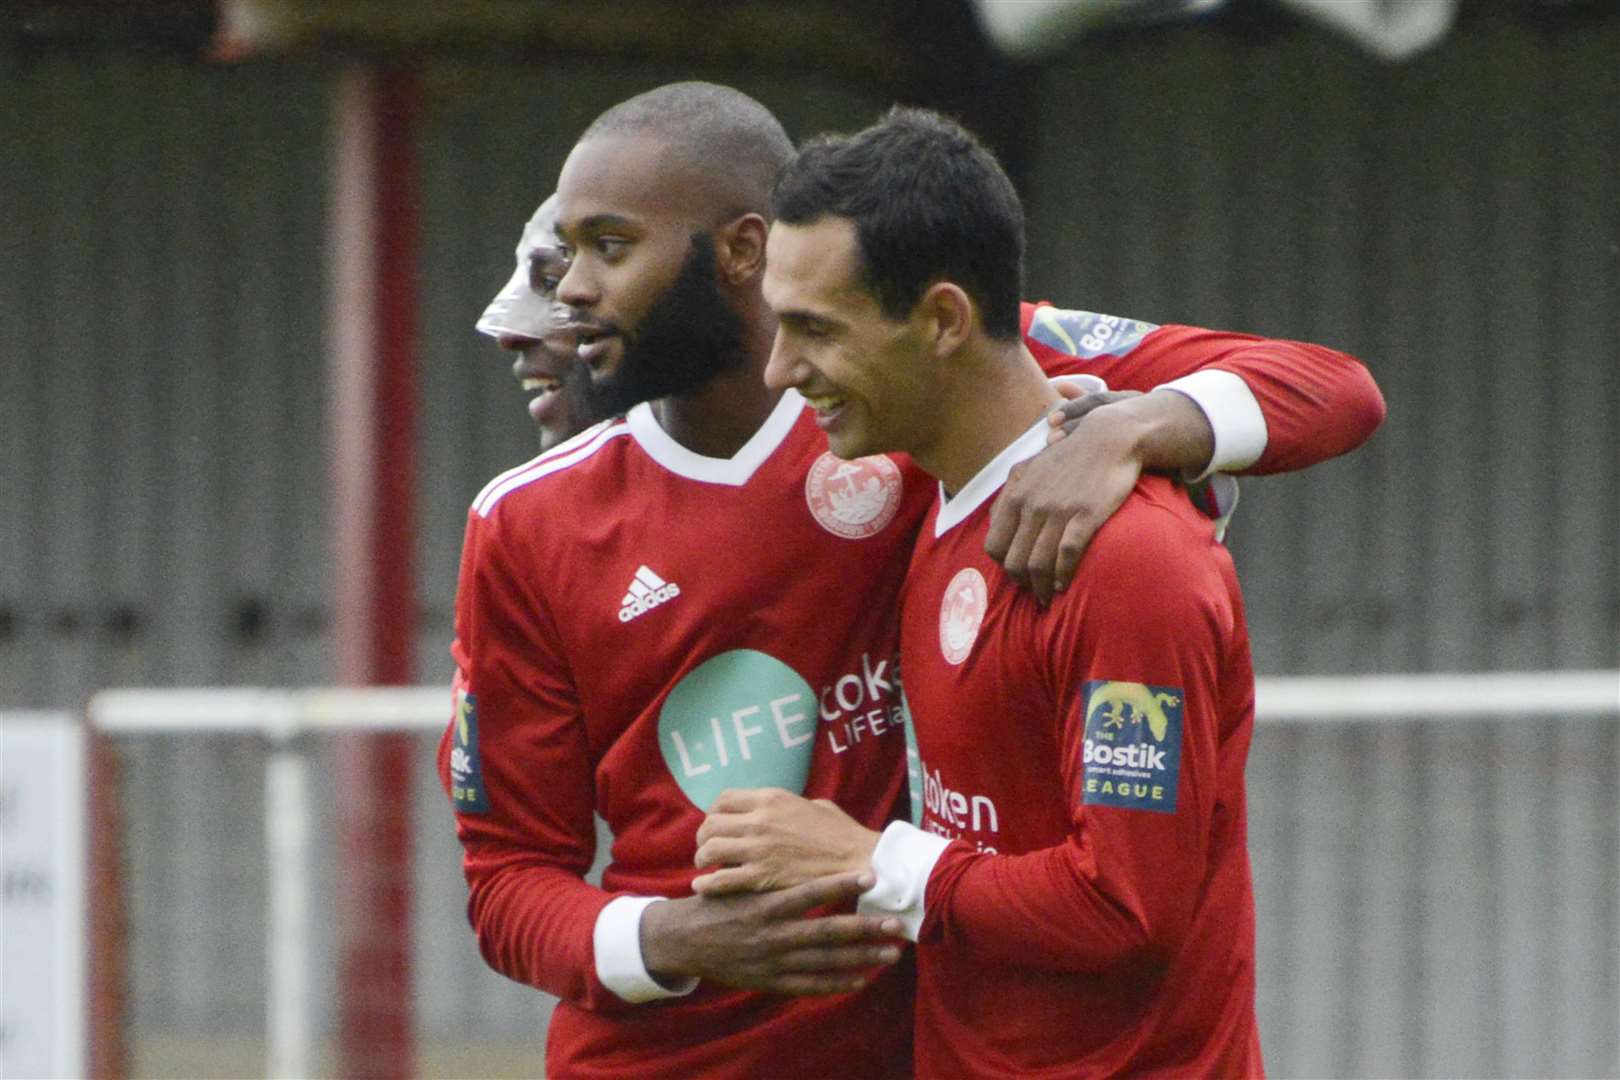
[(735, 470), (989, 480)]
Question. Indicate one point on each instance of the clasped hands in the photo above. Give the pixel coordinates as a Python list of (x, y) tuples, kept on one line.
[(776, 861), (765, 839), (774, 913)]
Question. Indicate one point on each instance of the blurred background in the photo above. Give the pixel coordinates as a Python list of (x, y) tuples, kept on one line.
[(1431, 185)]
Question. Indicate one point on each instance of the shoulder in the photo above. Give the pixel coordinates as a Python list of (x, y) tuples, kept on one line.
[(1156, 557), (576, 461)]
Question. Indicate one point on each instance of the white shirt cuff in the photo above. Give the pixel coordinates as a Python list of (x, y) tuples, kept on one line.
[(903, 860), (1234, 416), (617, 941)]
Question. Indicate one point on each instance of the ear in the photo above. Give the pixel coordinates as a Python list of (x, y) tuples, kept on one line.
[(948, 317), (739, 248)]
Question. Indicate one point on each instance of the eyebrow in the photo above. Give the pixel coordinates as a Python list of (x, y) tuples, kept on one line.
[(598, 222), (801, 318)]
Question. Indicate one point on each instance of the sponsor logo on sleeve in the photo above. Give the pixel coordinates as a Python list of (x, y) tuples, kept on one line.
[(466, 775), (853, 499), (1132, 754), (1086, 335)]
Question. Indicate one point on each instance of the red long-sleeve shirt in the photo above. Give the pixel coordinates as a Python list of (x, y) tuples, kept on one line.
[(1092, 912), (619, 593)]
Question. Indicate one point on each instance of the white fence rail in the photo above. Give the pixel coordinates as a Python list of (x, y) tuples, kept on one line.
[(284, 717)]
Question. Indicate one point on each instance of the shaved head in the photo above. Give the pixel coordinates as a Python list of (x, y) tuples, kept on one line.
[(722, 135)]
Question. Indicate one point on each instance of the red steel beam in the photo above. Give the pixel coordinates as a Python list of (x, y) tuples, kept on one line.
[(374, 484)]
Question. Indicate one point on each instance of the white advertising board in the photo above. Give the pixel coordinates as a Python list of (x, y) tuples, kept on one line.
[(42, 895)]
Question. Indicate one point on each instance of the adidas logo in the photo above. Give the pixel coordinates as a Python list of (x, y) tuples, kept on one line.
[(647, 591)]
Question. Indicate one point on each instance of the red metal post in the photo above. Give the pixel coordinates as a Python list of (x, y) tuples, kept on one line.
[(108, 953), (374, 437)]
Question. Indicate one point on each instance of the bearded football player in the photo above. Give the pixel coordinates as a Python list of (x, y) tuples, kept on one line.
[(701, 594)]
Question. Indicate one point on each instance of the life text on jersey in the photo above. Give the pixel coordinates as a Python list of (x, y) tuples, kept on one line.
[(860, 705), (744, 718)]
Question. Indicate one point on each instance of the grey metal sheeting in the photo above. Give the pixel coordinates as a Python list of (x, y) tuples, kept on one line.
[(1433, 900)]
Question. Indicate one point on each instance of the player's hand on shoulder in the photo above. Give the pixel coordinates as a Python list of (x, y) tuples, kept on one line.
[(761, 839), (1054, 503)]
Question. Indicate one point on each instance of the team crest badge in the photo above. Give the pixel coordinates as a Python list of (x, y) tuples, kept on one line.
[(853, 499), (960, 614)]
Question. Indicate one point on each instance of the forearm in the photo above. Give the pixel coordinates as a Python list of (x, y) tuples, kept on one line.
[(1318, 402), (1052, 909), (667, 944), (1278, 408), (1168, 431), (535, 924), (1273, 405)]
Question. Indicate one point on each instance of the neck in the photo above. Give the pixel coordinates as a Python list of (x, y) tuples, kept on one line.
[(987, 403), (717, 419)]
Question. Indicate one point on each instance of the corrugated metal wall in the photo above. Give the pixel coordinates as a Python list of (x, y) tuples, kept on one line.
[(160, 257), (1433, 900), (162, 518), (1455, 221)]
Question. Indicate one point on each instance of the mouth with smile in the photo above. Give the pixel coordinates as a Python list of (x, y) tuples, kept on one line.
[(830, 408), (540, 375)]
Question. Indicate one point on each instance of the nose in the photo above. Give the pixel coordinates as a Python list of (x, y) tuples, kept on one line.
[(784, 369), (577, 289)]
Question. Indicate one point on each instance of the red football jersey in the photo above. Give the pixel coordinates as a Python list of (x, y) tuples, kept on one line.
[(1092, 914), (639, 627)]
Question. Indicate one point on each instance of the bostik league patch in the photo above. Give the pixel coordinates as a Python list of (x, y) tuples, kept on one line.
[(1132, 755), (1086, 335), (466, 775)]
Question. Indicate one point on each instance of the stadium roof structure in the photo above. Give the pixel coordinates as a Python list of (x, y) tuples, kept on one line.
[(882, 39)]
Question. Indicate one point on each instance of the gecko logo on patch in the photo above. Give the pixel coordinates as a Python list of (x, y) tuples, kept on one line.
[(466, 776), (1085, 334), (1132, 755)]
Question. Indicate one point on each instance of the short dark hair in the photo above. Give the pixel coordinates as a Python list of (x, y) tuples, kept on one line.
[(724, 129), (929, 203)]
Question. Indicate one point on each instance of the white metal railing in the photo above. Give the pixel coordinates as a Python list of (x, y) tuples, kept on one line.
[(281, 717)]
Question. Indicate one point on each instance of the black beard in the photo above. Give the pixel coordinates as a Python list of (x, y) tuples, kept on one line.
[(689, 336)]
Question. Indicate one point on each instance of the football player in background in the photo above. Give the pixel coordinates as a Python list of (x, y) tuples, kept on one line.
[(525, 318)]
